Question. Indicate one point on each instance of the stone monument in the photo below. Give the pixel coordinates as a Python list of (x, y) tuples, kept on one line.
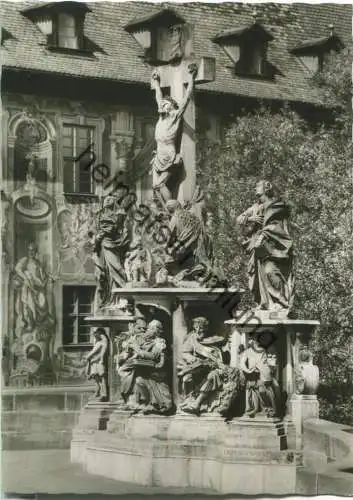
[(194, 399)]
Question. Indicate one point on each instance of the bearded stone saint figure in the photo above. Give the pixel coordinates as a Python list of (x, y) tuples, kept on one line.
[(167, 159), (142, 370), (270, 249), (207, 384)]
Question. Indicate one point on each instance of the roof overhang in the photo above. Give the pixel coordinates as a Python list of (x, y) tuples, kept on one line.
[(318, 45), (250, 33), (164, 17), (54, 7)]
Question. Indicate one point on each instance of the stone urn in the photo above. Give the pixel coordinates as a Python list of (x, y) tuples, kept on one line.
[(308, 374)]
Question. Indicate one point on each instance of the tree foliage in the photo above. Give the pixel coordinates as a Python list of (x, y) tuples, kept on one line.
[(312, 169)]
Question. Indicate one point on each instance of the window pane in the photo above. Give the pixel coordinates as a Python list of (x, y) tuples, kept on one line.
[(67, 31), (69, 174), (77, 305)]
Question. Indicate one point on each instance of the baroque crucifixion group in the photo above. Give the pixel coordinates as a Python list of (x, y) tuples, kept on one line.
[(173, 247)]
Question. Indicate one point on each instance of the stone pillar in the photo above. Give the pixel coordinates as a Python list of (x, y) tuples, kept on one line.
[(121, 140), (179, 333), (303, 403), (237, 338)]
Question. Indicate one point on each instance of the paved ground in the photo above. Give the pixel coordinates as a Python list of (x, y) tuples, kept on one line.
[(50, 471)]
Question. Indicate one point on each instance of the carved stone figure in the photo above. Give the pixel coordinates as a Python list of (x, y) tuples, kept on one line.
[(204, 376), (167, 159), (138, 262), (142, 368), (97, 364), (263, 392), (269, 247), (31, 302), (111, 243), (187, 246)]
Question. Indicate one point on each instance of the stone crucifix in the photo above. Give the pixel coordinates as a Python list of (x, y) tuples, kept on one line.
[(174, 163)]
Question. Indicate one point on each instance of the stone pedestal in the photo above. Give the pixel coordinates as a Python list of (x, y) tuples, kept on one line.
[(290, 338), (246, 456), (93, 417), (302, 407)]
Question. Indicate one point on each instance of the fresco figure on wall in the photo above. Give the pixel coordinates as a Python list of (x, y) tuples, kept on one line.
[(270, 249), (31, 283), (167, 159)]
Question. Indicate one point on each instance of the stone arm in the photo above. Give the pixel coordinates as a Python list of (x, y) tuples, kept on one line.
[(244, 365), (155, 83), (189, 91), (249, 215), (19, 269), (93, 351)]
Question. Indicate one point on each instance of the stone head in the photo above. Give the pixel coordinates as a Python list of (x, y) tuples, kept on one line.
[(140, 326), (108, 202), (32, 250), (172, 205), (98, 333), (200, 326), (168, 105), (264, 189), (154, 328)]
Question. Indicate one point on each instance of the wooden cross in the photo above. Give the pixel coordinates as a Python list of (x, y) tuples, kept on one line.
[(175, 75)]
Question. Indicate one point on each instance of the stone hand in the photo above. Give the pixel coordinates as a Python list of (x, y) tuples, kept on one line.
[(193, 70), (155, 78)]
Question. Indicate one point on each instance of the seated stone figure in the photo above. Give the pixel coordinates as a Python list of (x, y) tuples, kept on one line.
[(207, 382), (142, 368), (263, 392)]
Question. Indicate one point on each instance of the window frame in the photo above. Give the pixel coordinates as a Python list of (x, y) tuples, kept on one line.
[(76, 154), (76, 315)]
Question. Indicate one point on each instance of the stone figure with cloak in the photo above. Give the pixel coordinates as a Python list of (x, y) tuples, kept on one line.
[(189, 247), (142, 370), (206, 380), (270, 249), (110, 246)]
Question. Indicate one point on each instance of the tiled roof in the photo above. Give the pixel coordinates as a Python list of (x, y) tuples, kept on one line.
[(118, 58)]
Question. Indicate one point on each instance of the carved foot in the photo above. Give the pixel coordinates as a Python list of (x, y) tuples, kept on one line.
[(192, 408)]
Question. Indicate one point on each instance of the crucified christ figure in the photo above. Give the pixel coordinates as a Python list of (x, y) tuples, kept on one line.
[(167, 158)]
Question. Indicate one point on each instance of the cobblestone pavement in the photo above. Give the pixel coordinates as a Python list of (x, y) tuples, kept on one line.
[(50, 471)]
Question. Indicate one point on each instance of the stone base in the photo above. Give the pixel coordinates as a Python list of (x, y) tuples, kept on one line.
[(301, 408), (93, 417), (41, 417), (247, 456)]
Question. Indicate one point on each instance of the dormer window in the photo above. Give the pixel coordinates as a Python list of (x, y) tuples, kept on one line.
[(62, 24), (313, 53), (247, 48), (162, 36)]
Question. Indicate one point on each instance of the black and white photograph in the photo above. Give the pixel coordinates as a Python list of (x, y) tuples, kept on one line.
[(176, 249)]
